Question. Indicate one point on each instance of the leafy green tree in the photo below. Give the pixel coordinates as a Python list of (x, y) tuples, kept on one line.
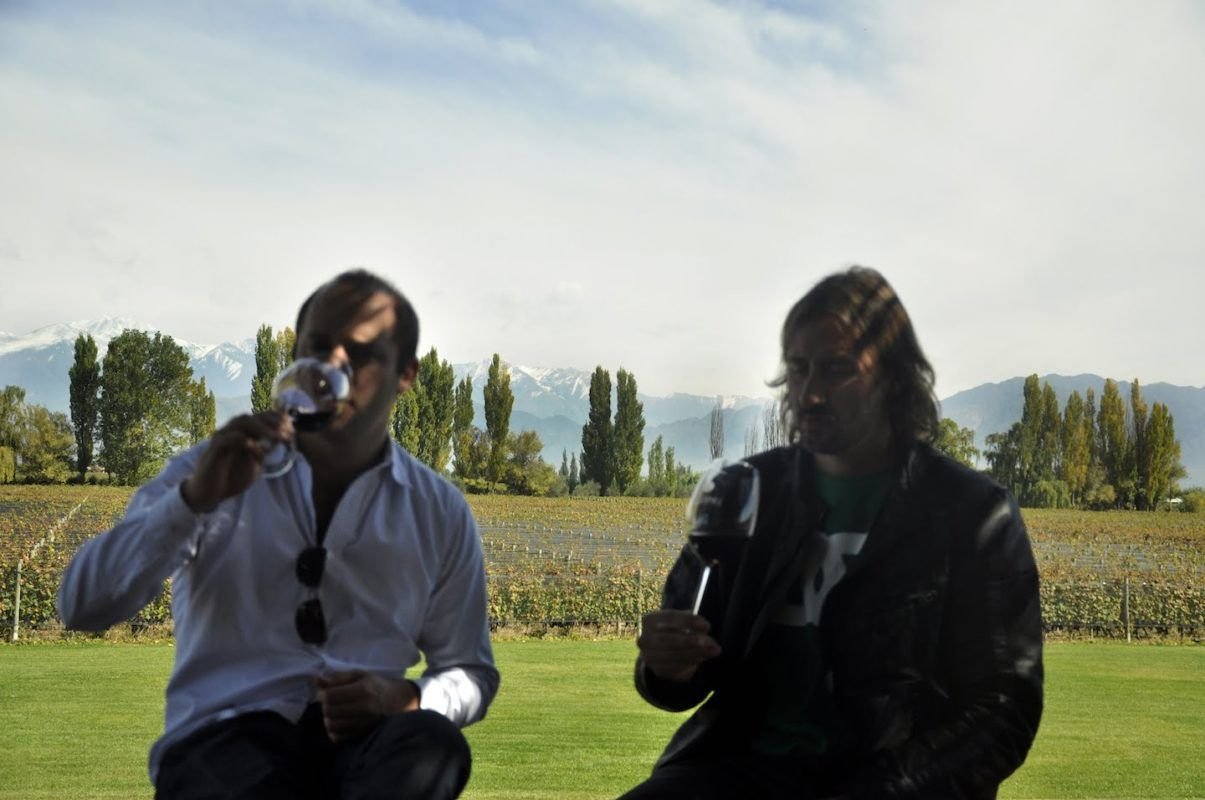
[(716, 439), (1162, 455), (85, 395), (1049, 443), (12, 417), (267, 366), (657, 466), (1076, 445), (202, 413), (1194, 500), (671, 473), (958, 443), (685, 479), (435, 395), (8, 464), (12, 430), (598, 447), (1112, 442), (1139, 462), (47, 453), (1030, 468), (462, 427), (1094, 494), (477, 460), (499, 400), (1003, 455), (286, 343), (628, 431), (573, 480), (144, 404), (526, 472), (404, 422), (564, 470)]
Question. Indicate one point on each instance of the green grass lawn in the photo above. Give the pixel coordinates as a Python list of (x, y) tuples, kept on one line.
[(76, 720)]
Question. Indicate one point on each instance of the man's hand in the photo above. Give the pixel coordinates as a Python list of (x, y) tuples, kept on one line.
[(233, 458), (354, 701), (674, 643)]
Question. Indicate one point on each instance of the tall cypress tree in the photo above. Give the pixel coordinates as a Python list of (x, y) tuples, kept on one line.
[(1077, 448), (203, 412), (404, 422), (1163, 455), (715, 439), (267, 365), (1112, 441), (671, 472), (499, 400), (1139, 465), (597, 447), (85, 397), (462, 427), (1030, 437), (629, 431), (434, 394), (657, 465)]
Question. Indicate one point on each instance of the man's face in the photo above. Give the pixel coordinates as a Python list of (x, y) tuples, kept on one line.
[(837, 398), (340, 330)]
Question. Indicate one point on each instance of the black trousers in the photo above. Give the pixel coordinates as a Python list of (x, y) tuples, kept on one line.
[(725, 777), (261, 755)]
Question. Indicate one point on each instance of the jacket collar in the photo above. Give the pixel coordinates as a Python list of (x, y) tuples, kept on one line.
[(795, 545)]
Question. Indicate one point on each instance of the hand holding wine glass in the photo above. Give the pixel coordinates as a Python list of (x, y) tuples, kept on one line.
[(311, 393), (307, 396)]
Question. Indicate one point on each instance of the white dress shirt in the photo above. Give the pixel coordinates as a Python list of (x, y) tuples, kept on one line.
[(404, 574)]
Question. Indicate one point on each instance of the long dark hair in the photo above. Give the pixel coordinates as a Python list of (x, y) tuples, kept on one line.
[(864, 301)]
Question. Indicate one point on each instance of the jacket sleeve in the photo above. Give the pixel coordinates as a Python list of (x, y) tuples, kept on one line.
[(115, 574), (991, 663), (676, 695)]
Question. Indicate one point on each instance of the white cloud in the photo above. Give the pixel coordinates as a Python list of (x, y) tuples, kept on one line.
[(624, 183)]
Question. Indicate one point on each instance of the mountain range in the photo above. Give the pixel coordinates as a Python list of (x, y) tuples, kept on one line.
[(554, 401)]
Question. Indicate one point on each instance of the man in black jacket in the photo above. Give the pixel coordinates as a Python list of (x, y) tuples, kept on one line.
[(881, 635)]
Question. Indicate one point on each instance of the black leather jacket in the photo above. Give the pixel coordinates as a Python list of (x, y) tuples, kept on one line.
[(934, 636)]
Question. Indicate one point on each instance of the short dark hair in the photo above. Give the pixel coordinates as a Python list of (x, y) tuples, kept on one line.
[(363, 284), (862, 299)]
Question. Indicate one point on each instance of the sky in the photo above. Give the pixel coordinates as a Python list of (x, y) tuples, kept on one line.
[(637, 184)]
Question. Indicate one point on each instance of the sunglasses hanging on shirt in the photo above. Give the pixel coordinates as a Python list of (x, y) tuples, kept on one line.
[(309, 619)]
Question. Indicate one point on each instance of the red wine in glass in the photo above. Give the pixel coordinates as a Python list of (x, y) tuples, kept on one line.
[(312, 392)]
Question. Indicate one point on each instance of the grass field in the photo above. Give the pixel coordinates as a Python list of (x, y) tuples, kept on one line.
[(76, 719)]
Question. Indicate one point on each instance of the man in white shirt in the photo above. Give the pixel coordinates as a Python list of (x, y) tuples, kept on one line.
[(301, 601)]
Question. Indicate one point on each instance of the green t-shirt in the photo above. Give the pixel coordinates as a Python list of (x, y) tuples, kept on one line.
[(800, 718)]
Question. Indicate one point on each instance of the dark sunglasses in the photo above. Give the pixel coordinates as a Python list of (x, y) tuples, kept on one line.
[(309, 619)]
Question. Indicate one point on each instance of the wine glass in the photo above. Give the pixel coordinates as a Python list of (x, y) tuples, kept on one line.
[(723, 514), (312, 392)]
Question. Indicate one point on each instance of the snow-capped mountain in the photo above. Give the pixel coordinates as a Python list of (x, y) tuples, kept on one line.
[(553, 401), (39, 361), (541, 391)]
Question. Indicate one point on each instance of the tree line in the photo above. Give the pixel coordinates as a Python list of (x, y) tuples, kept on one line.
[(130, 412), (140, 405), (435, 423), (1115, 455)]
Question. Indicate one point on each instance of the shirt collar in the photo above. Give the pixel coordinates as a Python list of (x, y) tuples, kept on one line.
[(399, 463)]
